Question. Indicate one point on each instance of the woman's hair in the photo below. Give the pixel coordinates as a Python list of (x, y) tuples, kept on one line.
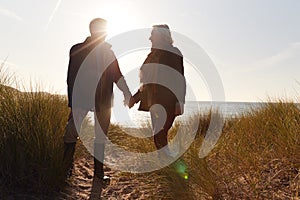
[(165, 32)]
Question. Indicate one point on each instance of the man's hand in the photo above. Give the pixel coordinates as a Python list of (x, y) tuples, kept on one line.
[(122, 85), (127, 100)]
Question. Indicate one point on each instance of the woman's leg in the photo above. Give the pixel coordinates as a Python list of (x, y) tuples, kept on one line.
[(161, 123)]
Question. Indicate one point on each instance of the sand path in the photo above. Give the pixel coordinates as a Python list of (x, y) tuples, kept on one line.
[(82, 185)]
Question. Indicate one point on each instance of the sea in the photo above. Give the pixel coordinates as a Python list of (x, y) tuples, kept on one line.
[(134, 118)]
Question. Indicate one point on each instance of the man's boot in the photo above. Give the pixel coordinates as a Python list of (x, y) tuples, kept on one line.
[(98, 163), (69, 150)]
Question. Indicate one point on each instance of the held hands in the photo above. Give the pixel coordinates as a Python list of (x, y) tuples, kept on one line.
[(129, 101)]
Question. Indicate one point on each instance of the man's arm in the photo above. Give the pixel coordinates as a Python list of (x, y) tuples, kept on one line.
[(122, 85), (120, 81)]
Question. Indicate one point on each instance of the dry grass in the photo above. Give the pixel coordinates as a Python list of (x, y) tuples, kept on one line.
[(31, 130), (258, 156)]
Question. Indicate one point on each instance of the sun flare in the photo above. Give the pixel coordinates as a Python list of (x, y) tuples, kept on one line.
[(119, 19)]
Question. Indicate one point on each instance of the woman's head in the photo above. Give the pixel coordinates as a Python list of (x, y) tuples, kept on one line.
[(161, 35)]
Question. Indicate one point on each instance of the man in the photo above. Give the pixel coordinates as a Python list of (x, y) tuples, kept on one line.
[(93, 68)]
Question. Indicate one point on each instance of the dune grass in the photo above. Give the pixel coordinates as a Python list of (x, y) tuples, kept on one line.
[(31, 148), (258, 155)]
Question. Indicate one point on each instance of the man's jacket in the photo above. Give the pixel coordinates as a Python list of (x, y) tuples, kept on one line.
[(92, 70)]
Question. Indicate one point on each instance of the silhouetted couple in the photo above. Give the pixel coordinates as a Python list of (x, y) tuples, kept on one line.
[(93, 68)]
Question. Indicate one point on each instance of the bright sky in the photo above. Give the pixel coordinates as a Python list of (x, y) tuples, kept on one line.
[(254, 44)]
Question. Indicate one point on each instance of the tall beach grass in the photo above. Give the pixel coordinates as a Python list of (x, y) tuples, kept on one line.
[(31, 130), (258, 155)]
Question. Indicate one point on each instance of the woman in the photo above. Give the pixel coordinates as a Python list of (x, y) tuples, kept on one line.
[(163, 87)]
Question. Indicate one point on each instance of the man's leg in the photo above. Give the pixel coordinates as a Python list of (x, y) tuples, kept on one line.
[(71, 136), (102, 121)]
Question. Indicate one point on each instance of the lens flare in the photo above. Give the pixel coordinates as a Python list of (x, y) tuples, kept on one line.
[(181, 169), (186, 177)]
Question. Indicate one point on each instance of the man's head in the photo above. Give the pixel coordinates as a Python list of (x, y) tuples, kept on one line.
[(98, 27)]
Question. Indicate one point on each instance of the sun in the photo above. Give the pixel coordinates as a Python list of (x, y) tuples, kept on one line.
[(119, 20)]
